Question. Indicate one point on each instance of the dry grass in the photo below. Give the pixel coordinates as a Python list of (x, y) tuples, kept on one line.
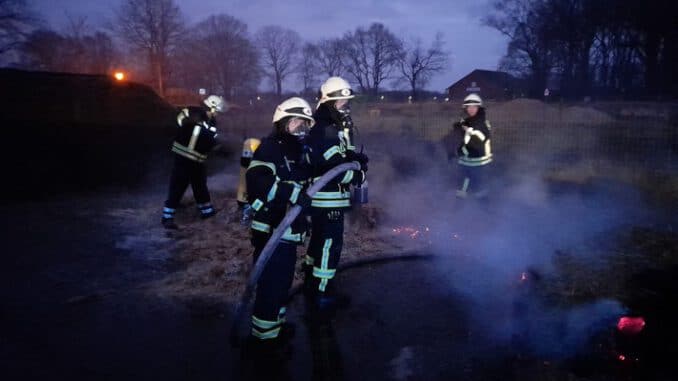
[(214, 256)]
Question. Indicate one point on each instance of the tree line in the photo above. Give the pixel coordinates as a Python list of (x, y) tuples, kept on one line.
[(219, 53), (592, 47)]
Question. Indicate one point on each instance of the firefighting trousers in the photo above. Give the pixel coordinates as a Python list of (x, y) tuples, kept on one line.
[(272, 289), (324, 250), (472, 181), (184, 173)]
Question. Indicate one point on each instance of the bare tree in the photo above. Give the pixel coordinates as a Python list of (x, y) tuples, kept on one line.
[(43, 50), (371, 55), (16, 18), (419, 64), (526, 24), (309, 68), (221, 57), (48, 50), (154, 27), (101, 52), (279, 48), (330, 57)]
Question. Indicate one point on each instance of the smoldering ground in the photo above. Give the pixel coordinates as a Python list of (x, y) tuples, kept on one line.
[(498, 252), (555, 216)]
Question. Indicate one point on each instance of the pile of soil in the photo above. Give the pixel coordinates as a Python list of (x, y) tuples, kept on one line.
[(73, 132)]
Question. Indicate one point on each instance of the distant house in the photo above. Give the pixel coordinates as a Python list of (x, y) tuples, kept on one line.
[(495, 85)]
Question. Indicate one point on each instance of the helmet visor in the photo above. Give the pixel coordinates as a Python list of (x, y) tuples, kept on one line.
[(341, 94)]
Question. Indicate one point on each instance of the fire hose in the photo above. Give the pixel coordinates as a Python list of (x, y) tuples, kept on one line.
[(272, 243)]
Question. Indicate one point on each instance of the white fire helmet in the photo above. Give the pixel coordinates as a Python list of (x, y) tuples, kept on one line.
[(473, 100), (215, 103), (294, 107), (335, 88)]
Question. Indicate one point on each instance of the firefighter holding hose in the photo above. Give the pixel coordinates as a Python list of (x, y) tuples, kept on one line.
[(332, 144), (195, 138), (473, 147), (277, 178)]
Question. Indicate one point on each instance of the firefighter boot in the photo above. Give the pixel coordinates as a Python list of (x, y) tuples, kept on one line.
[(325, 304), (206, 210), (168, 218), (264, 360), (169, 223)]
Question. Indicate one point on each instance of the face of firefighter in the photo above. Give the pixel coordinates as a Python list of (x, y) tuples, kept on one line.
[(298, 127), (341, 104), (472, 110)]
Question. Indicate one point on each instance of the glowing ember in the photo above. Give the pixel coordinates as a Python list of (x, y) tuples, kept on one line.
[(631, 325), (119, 76), (411, 232), (621, 358)]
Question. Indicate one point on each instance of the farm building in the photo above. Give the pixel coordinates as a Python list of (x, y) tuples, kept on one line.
[(489, 84)]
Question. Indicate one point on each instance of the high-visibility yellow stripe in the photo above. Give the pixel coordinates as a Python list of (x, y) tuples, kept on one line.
[(182, 115), (190, 154), (475, 162), (272, 192), (320, 273), (288, 236), (308, 260), (331, 195), (331, 204), (328, 274), (331, 152), (257, 204), (260, 226), (477, 133), (264, 324), (258, 163), (265, 335), (194, 138), (295, 194), (348, 177)]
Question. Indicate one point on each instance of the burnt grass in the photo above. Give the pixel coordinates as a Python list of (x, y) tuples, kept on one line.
[(94, 287)]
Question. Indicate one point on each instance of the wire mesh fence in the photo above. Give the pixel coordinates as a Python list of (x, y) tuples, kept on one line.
[(634, 135), (638, 136)]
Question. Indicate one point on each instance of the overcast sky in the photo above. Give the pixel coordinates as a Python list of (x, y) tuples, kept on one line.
[(472, 46)]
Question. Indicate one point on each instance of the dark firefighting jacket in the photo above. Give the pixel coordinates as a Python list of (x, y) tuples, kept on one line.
[(196, 135), (278, 173), (473, 135), (332, 144)]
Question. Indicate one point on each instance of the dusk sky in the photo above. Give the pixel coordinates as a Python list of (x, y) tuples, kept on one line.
[(471, 44)]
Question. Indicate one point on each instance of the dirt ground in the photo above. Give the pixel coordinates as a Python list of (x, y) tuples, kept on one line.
[(565, 246)]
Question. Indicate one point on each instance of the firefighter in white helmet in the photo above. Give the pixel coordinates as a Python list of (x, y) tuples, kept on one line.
[(195, 138), (331, 144), (277, 178), (471, 145)]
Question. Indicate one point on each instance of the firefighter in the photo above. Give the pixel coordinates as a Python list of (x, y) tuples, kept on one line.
[(195, 137), (248, 148), (332, 144), (277, 179), (474, 151)]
